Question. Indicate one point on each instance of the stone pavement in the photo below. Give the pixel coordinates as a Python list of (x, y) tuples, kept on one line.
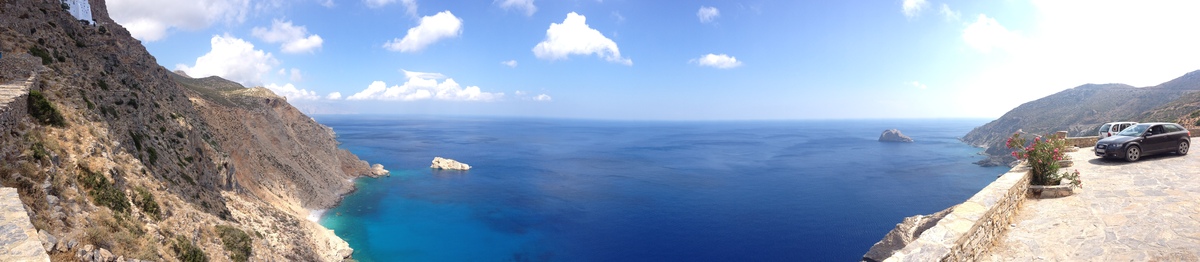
[(1143, 211), (18, 239), (13, 90)]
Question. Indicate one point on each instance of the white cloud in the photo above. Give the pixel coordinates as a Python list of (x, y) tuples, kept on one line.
[(912, 8), (1073, 42), (520, 5), (291, 92), (950, 14), (410, 6), (424, 86), (522, 95), (721, 61), (510, 63), (574, 37), (234, 59), (296, 77), (707, 14), (985, 34), (294, 38), (327, 3), (430, 30), (918, 85), (149, 20), (334, 96)]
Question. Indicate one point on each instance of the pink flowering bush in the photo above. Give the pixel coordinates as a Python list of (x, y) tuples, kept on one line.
[(1042, 155)]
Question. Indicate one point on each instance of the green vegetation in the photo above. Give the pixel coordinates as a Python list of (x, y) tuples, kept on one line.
[(39, 52), (102, 84), (236, 242), (104, 193), (43, 111), (186, 252), (152, 154), (39, 150), (1195, 114), (145, 201), (137, 140), (179, 134)]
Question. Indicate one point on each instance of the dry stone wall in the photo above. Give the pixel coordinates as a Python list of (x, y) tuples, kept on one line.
[(18, 239), (973, 226)]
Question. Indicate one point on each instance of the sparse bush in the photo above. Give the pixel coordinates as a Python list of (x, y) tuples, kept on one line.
[(145, 201), (152, 154), (103, 192), (186, 252), (42, 53), (236, 242), (137, 140), (1195, 114), (179, 134), (102, 84), (43, 111)]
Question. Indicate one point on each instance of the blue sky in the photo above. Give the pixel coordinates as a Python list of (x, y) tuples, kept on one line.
[(676, 60)]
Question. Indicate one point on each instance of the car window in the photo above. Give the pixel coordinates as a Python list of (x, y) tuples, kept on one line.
[(1105, 127), (1157, 129), (1172, 128), (1134, 130)]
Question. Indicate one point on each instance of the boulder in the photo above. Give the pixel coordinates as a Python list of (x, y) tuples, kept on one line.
[(906, 232), (893, 135), (448, 164)]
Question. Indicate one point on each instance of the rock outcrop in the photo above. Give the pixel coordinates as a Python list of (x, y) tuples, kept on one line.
[(894, 135), (906, 232), (448, 164)]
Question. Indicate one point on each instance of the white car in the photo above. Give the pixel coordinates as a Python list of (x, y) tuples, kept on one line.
[(1113, 128)]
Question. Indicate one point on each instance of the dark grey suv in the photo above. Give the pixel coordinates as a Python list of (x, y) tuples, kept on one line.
[(1145, 139)]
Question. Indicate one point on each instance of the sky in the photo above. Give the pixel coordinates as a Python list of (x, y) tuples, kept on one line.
[(669, 60)]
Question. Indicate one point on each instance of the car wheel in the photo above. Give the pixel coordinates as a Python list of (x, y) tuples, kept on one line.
[(1183, 148), (1133, 153)]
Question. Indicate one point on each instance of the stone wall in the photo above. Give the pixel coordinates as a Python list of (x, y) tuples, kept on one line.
[(13, 103), (973, 226), (1083, 142)]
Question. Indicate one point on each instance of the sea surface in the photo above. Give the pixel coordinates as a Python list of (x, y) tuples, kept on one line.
[(590, 190)]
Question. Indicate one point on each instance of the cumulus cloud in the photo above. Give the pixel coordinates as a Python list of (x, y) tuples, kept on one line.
[(950, 14), (234, 59), (574, 37), (519, 5), (985, 35), (424, 86), (707, 14), (295, 39), (334, 96), (326, 3), (510, 63), (149, 20), (291, 92), (430, 30), (721, 61), (522, 95), (912, 8), (918, 85)]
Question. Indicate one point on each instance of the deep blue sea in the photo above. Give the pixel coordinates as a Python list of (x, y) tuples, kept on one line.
[(589, 190)]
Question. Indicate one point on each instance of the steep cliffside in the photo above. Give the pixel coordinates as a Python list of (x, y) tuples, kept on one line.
[(146, 164)]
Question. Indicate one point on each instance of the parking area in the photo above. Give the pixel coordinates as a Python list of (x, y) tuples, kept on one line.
[(1142, 211)]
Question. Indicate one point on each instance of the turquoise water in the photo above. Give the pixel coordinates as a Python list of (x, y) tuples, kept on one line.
[(574, 190)]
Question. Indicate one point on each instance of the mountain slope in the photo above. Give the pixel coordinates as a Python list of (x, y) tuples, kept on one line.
[(1081, 110), (151, 165)]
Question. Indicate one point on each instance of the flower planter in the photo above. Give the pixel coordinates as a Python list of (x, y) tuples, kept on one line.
[(1061, 190)]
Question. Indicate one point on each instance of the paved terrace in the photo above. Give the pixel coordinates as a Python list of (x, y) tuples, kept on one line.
[(1143, 211)]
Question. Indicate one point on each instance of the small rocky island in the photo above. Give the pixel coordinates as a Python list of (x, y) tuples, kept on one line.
[(894, 135), (448, 164)]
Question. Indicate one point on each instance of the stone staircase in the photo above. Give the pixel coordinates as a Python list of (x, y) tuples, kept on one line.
[(13, 102), (18, 239)]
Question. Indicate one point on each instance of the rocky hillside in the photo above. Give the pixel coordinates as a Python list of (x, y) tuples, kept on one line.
[(1081, 110), (126, 159)]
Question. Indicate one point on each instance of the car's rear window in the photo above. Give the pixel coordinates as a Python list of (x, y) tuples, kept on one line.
[(1134, 130), (1105, 127), (1173, 128)]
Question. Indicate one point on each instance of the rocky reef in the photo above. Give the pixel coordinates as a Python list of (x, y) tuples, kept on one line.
[(906, 232), (894, 135), (448, 164)]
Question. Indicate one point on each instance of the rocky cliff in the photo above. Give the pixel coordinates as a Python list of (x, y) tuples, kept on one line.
[(1081, 111), (119, 157)]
